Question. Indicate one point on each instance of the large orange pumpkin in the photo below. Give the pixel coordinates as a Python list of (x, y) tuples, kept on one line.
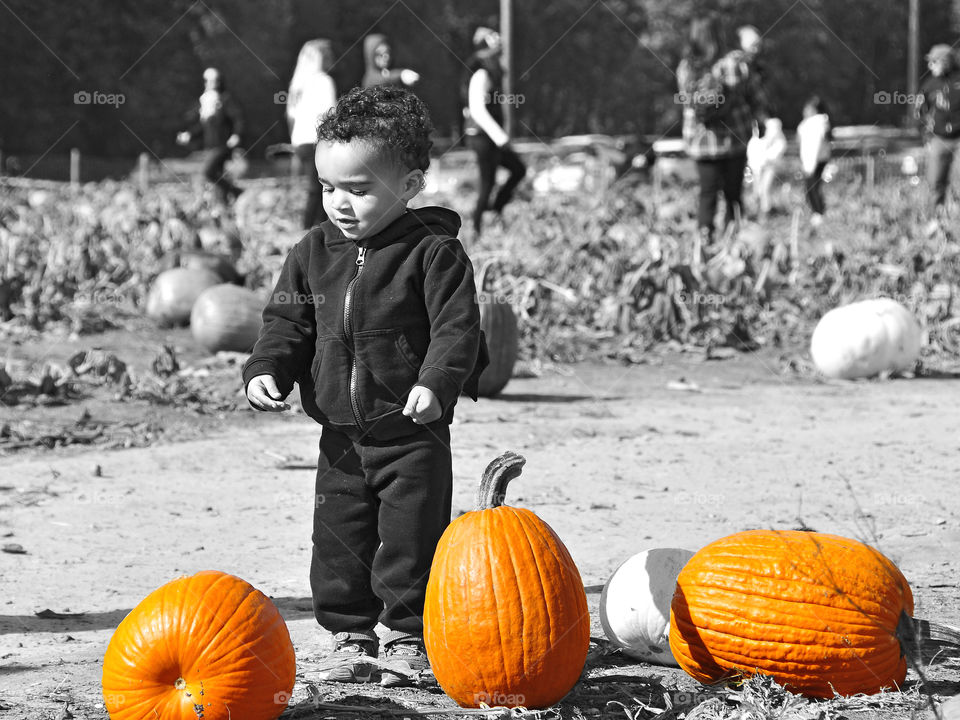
[(820, 613), (207, 646), (227, 317), (505, 620)]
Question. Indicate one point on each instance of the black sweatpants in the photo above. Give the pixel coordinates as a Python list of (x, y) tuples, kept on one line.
[(379, 510), (489, 158), (214, 160), (724, 175), (813, 186)]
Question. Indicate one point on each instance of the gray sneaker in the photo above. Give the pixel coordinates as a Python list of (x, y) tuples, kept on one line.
[(346, 663), (405, 663)]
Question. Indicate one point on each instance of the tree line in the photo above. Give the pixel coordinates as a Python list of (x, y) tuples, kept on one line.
[(116, 77)]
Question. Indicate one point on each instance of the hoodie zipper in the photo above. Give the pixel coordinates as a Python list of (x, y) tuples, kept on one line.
[(348, 332)]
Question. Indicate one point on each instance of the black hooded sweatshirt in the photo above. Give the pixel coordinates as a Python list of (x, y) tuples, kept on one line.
[(358, 324)]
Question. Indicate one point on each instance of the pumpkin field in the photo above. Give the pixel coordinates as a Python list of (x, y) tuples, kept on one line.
[(789, 500)]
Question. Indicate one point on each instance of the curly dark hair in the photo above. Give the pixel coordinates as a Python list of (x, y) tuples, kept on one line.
[(392, 119)]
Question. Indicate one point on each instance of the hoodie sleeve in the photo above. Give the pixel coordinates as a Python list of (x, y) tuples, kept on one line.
[(450, 296), (285, 346)]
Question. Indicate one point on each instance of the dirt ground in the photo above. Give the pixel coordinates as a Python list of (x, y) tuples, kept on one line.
[(676, 452)]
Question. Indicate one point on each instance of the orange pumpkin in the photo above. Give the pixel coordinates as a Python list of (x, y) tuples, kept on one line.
[(206, 646), (226, 317), (820, 613), (505, 619)]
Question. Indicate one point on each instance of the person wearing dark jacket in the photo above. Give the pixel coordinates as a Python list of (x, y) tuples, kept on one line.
[(217, 120), (483, 116), (719, 111), (375, 317), (378, 64), (938, 110)]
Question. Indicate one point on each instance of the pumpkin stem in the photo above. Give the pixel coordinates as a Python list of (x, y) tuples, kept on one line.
[(493, 484), (180, 684)]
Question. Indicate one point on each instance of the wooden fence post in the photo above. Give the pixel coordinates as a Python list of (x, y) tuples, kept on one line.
[(74, 167), (143, 172)]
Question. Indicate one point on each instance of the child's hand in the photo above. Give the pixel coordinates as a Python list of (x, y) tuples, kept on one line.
[(263, 394), (422, 405)]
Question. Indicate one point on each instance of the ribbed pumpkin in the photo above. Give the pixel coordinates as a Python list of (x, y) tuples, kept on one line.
[(206, 646), (174, 291), (635, 603), (226, 317), (499, 326), (505, 620), (818, 612)]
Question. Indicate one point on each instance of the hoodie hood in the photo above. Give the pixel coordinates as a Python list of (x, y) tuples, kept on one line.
[(421, 222)]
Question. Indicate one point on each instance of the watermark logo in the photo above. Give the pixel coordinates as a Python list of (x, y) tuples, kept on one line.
[(698, 498), (282, 297), (699, 97), (84, 97), (282, 698), (499, 699), (292, 499), (100, 498), (699, 298), (494, 298), (280, 98), (884, 97), (103, 296), (514, 99), (898, 499)]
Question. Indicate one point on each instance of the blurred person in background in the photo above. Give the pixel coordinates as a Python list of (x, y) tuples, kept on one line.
[(938, 110), (483, 125), (814, 135), (217, 120), (378, 62), (764, 154), (312, 93), (719, 112)]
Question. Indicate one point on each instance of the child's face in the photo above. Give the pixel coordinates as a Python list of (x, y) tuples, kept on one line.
[(363, 192), (381, 56), (938, 66)]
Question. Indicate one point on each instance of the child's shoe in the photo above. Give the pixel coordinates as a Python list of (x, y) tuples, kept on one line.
[(408, 655), (346, 663)]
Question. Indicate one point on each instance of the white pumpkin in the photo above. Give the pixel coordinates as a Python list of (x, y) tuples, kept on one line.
[(227, 317), (866, 338), (635, 603), (174, 291)]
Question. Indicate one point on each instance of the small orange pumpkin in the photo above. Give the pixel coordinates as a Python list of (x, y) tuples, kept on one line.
[(818, 612), (505, 618), (206, 646)]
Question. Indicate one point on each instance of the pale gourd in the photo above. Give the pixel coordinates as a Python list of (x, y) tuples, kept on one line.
[(866, 338), (174, 291), (227, 318), (635, 603)]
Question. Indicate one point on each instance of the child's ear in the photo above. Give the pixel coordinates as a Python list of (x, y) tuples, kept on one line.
[(413, 183)]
